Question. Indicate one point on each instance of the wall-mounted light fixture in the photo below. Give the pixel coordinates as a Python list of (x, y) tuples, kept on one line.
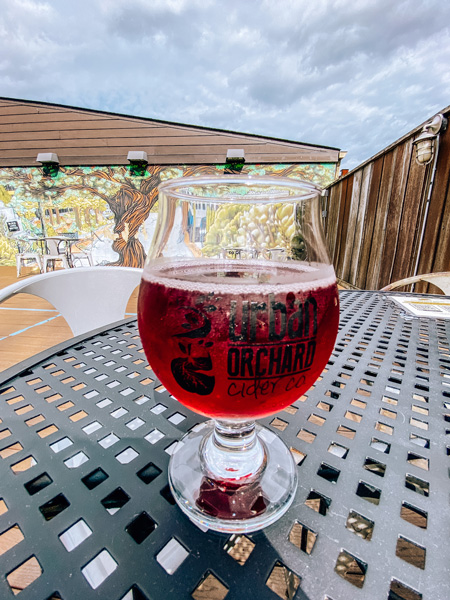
[(235, 161), (47, 158), (138, 161), (425, 143), (235, 155), (137, 157), (50, 163)]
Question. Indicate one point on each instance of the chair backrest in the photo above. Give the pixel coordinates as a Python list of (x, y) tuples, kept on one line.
[(21, 246), (440, 280), (55, 246), (25, 246), (87, 297)]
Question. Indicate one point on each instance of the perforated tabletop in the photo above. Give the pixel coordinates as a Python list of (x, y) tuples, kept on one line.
[(85, 510)]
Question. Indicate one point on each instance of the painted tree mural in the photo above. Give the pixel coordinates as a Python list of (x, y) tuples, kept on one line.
[(109, 202), (130, 200)]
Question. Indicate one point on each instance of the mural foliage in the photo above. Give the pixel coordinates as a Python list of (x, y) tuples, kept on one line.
[(109, 208)]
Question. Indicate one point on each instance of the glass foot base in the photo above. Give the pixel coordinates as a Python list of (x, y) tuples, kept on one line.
[(226, 505)]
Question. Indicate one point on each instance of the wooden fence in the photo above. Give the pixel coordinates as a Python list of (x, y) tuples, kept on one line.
[(390, 217)]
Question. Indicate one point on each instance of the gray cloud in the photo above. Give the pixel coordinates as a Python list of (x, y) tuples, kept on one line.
[(355, 76)]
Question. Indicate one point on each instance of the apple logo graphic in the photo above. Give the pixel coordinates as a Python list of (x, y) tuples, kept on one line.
[(187, 371)]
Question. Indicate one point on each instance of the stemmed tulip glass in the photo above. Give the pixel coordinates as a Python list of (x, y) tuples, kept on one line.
[(238, 314)]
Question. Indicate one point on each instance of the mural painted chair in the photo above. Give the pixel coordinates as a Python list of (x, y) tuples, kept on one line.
[(80, 251), (26, 255), (87, 298), (440, 280), (56, 252)]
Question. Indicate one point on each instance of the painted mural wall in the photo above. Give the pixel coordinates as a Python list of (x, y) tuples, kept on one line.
[(111, 209)]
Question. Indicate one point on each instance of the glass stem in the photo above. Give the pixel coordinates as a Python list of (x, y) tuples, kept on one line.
[(234, 452)]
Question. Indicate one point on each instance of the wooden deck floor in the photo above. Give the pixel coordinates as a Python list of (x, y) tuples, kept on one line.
[(29, 324)]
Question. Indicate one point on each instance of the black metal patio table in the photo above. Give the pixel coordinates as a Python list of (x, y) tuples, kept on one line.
[(86, 434)]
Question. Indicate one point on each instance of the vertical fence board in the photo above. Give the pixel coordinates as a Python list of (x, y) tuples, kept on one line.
[(351, 225), (394, 212), (326, 208), (408, 237), (334, 201), (324, 201), (422, 220), (333, 216), (369, 222), (442, 257), (432, 247), (379, 227), (331, 220), (339, 221), (344, 226), (355, 251)]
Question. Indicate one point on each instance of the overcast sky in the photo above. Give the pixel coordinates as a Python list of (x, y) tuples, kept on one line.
[(353, 75)]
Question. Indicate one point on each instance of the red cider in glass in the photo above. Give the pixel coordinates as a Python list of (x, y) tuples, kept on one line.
[(237, 341)]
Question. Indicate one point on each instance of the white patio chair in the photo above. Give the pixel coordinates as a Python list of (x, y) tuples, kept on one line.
[(81, 251), (440, 280), (26, 255), (87, 298), (56, 252)]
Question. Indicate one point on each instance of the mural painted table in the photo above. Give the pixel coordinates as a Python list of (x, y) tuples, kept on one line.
[(86, 434)]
